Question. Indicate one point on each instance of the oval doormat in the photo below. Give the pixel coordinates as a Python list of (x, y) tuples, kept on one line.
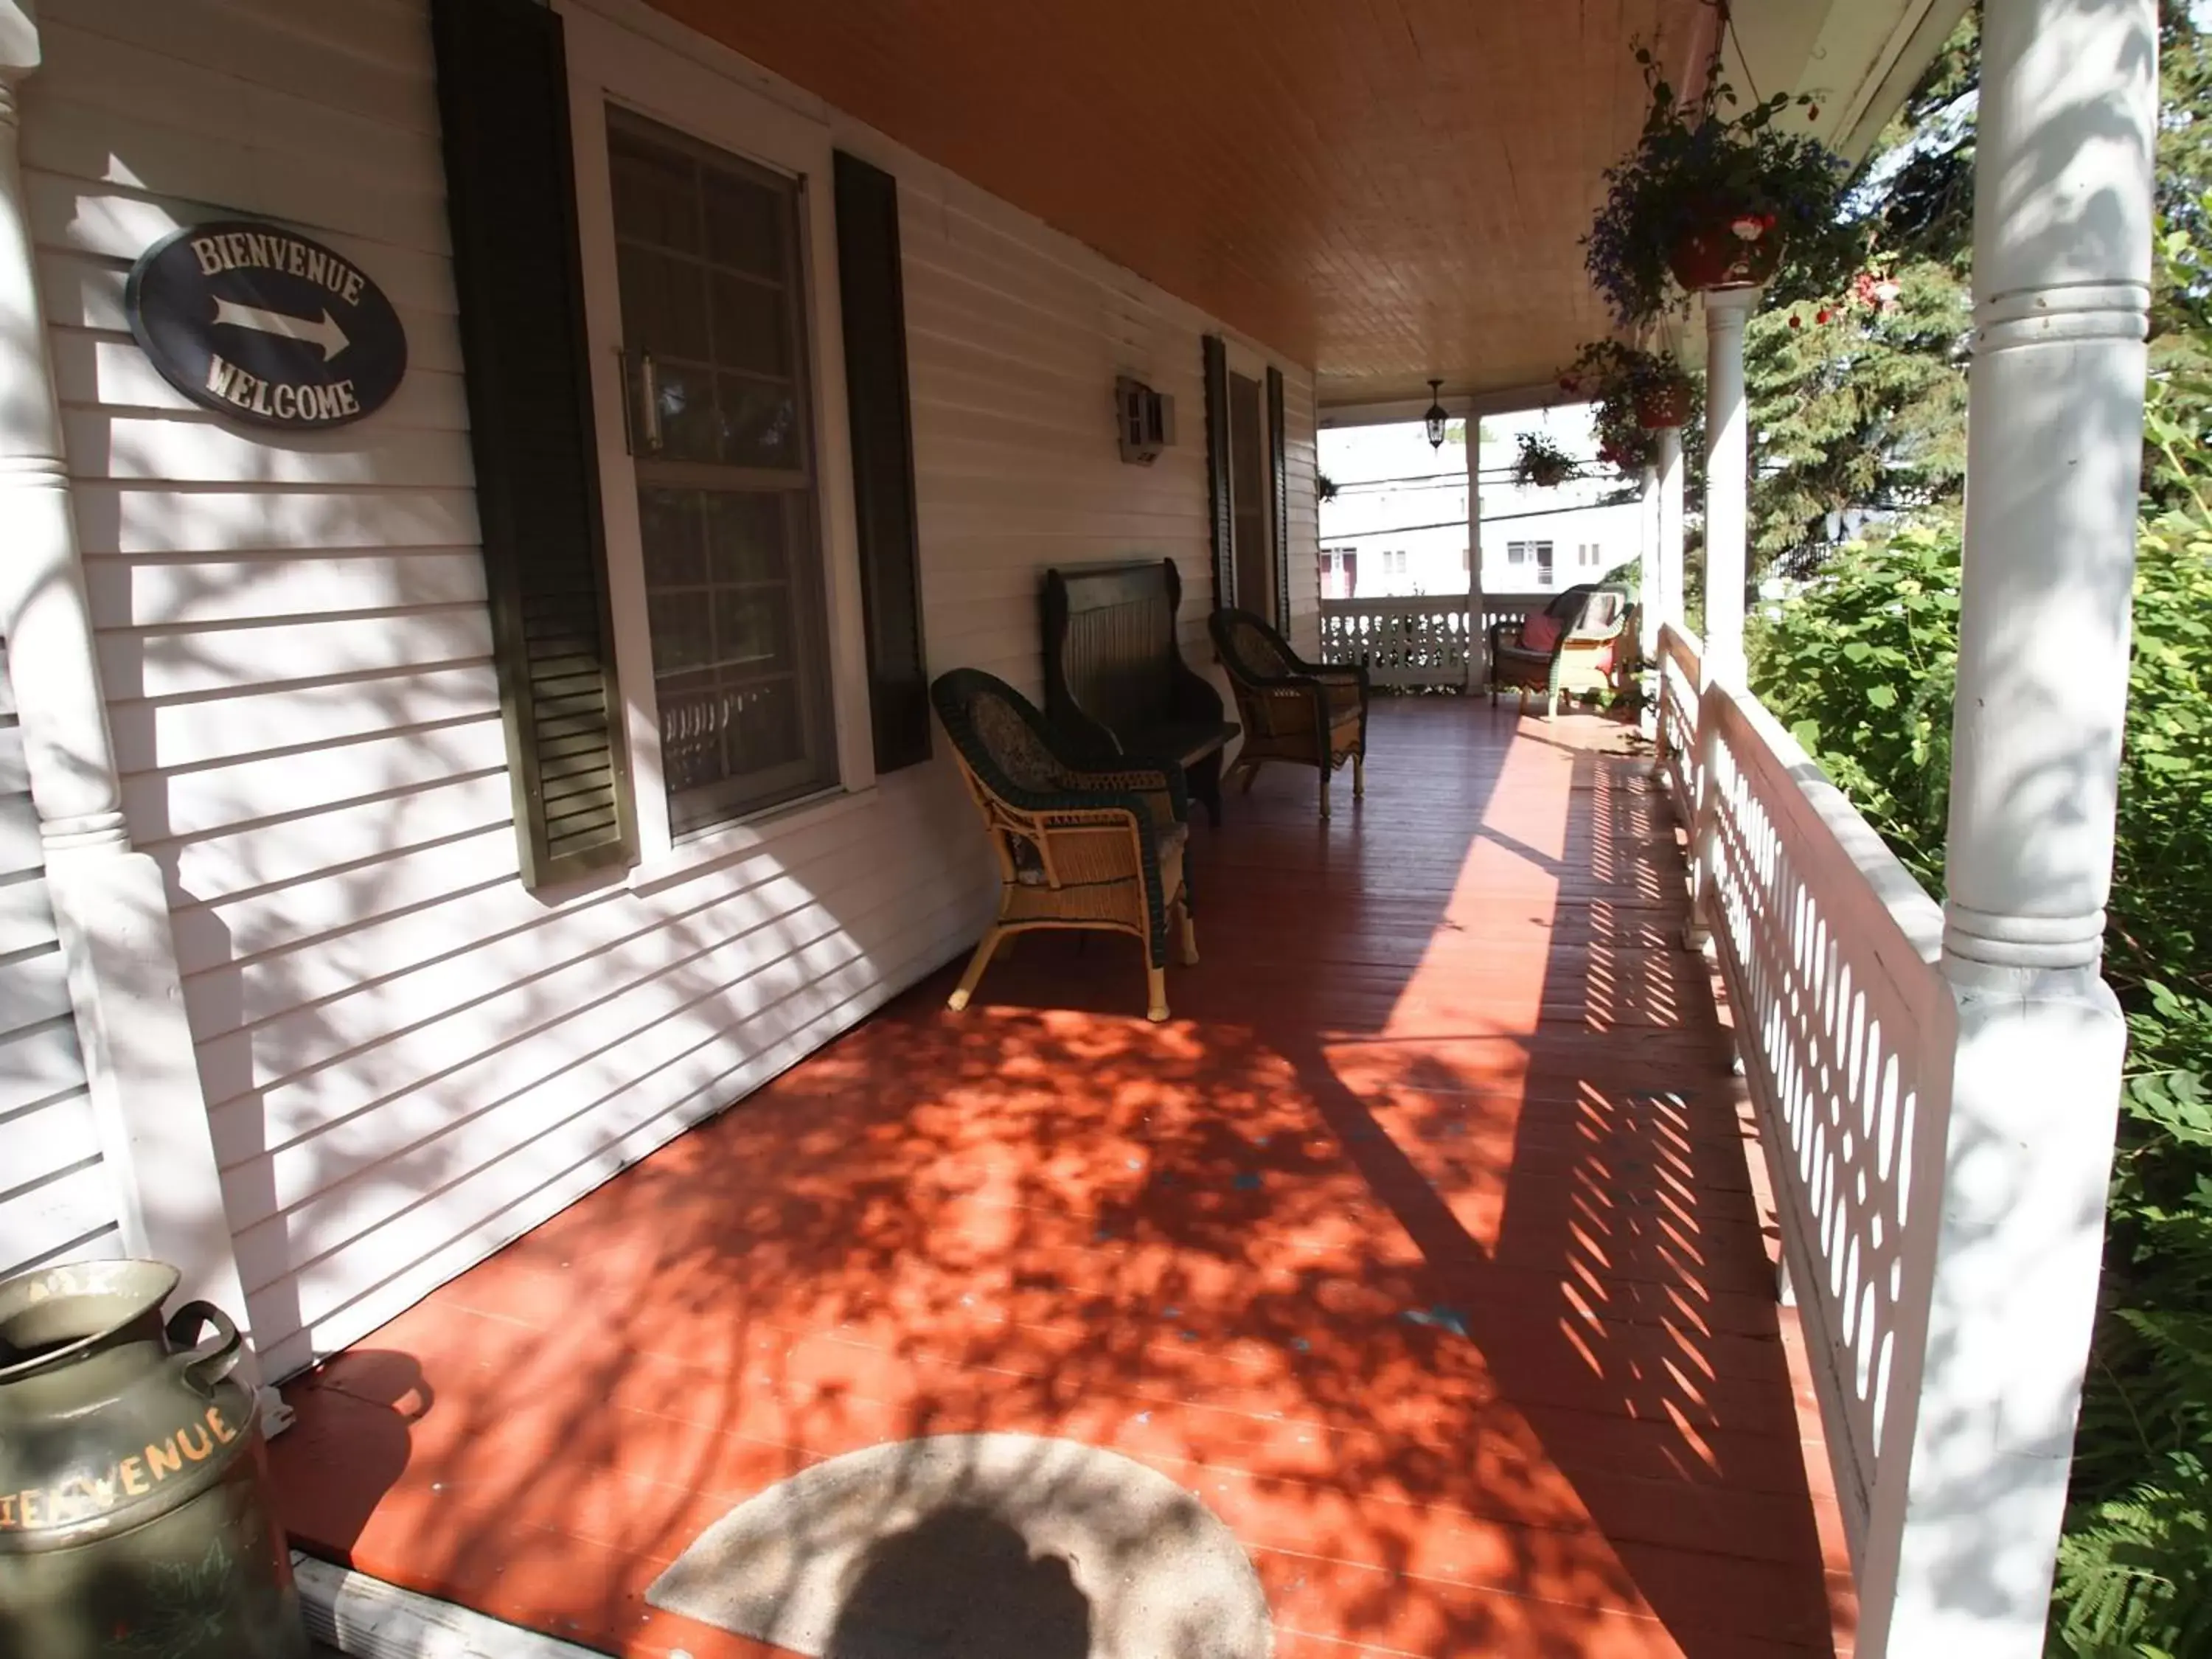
[(975, 1546)]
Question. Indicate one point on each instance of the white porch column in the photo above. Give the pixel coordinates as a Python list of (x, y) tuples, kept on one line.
[(1478, 642), (2062, 268), (110, 908), (1647, 614), (1647, 537), (1727, 481), (1670, 526)]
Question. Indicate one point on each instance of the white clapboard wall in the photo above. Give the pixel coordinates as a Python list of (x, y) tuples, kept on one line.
[(58, 1202), (409, 1059)]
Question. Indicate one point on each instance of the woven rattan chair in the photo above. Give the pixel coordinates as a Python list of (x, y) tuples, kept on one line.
[(1078, 846), (1310, 713), (1592, 624)]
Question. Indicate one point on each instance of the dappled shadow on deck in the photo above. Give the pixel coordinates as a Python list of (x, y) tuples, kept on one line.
[(1420, 1245)]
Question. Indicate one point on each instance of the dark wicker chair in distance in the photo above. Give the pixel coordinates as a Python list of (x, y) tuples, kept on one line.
[(1311, 713), (1083, 846)]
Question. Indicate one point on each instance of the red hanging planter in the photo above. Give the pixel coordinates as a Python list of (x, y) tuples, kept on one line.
[(1665, 406), (1726, 250)]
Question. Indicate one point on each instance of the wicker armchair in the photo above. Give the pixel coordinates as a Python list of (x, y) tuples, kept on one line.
[(1592, 621), (1313, 714), (1087, 847)]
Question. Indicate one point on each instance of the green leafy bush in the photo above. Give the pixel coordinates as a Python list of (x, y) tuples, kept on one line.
[(1859, 667)]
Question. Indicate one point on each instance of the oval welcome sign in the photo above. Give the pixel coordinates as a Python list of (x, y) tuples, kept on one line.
[(259, 323)]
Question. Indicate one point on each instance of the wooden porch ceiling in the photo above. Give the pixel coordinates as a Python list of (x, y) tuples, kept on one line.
[(1387, 190)]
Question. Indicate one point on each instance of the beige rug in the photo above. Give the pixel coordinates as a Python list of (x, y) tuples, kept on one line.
[(975, 1546)]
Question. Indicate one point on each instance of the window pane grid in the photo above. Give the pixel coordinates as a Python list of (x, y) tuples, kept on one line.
[(710, 287)]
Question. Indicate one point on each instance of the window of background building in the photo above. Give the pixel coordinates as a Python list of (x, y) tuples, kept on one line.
[(1340, 567), (1539, 554)]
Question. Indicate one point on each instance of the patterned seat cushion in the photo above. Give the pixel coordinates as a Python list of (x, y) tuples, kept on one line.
[(1257, 653), (1015, 746)]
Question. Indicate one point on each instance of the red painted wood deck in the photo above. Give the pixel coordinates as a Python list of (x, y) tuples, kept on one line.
[(1420, 1244)]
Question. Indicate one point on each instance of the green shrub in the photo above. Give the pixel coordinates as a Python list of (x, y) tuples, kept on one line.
[(1859, 665)]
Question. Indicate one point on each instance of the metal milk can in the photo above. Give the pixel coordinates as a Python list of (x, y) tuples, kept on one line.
[(135, 1515)]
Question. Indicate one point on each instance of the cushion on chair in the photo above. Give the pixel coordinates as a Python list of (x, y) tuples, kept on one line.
[(1015, 745), (1601, 613), (1540, 633), (1255, 650), (1028, 863)]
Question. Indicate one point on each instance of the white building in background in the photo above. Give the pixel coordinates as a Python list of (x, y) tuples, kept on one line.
[(1398, 522)]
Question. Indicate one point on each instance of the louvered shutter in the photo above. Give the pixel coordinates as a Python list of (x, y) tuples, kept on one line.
[(1218, 505), (503, 101), (872, 298), (1278, 472)]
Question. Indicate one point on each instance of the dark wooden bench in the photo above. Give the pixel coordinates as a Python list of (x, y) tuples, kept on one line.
[(1115, 683)]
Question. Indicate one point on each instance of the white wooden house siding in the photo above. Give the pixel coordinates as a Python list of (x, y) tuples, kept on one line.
[(407, 1058), (57, 1197)]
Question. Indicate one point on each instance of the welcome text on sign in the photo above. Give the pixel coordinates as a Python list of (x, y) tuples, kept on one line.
[(245, 250), (283, 399)]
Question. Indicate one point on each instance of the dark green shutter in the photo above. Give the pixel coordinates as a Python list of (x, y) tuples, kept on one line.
[(1279, 467), (1218, 514), (872, 299), (510, 188)]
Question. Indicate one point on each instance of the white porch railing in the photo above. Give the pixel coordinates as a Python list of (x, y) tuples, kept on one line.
[(1847, 1033), (1411, 642), (1680, 671)]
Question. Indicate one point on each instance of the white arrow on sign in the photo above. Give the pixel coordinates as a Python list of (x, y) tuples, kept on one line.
[(326, 333)]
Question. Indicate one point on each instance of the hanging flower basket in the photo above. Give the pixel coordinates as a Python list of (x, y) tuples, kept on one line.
[(1541, 463), (1663, 407), (1728, 250), (1632, 394), (1716, 194)]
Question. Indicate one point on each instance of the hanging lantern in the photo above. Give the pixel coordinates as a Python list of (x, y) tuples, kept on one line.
[(1435, 419)]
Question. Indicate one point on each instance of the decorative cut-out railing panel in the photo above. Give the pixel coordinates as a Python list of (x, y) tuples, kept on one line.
[(1847, 1034), (1411, 641), (1681, 658)]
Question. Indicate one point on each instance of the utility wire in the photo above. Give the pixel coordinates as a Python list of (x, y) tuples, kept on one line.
[(1437, 480), (1328, 539)]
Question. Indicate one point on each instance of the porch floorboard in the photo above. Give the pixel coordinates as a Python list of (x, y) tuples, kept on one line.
[(1421, 1244)]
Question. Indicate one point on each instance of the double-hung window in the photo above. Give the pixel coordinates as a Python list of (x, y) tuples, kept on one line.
[(1536, 553), (715, 347)]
